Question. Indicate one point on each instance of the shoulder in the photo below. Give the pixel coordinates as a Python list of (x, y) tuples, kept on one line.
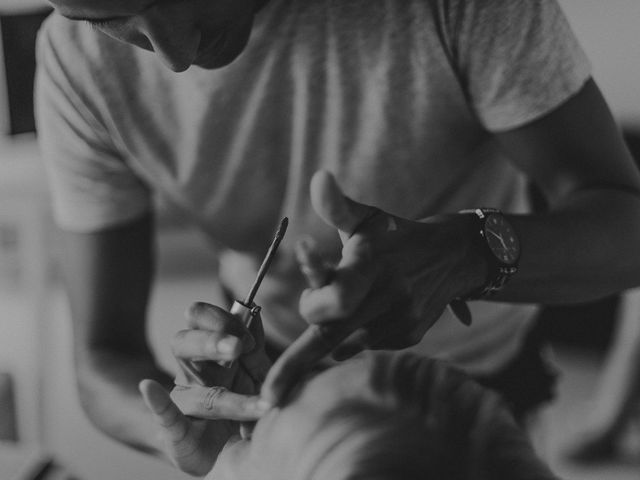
[(79, 53), (66, 41)]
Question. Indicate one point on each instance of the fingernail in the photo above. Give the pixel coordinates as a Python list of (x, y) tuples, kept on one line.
[(227, 345), (263, 405)]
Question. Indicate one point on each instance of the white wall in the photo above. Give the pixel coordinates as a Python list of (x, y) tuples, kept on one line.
[(609, 31)]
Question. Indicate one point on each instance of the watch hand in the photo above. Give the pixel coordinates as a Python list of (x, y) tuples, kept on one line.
[(499, 237)]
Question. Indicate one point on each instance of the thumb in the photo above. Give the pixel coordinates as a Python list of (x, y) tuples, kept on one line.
[(172, 423), (334, 207)]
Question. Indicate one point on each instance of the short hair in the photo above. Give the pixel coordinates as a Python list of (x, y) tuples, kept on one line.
[(386, 444)]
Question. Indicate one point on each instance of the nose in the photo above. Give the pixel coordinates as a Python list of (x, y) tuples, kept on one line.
[(175, 42)]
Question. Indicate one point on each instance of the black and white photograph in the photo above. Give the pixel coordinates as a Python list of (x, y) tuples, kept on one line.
[(319, 239)]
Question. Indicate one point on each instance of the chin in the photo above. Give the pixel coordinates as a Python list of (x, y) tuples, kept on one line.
[(225, 52), (212, 62)]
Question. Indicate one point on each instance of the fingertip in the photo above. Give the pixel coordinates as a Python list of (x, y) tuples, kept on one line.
[(192, 309), (147, 386), (153, 393), (358, 248), (256, 407), (270, 390), (324, 305), (230, 347), (323, 184), (200, 308), (264, 405), (143, 388), (321, 176), (268, 396)]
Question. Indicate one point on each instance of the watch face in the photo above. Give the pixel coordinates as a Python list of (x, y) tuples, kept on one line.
[(501, 239)]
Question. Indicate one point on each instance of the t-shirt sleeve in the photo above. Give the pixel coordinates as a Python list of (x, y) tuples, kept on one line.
[(92, 187), (516, 59)]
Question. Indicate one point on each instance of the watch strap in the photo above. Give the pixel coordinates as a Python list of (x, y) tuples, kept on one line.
[(498, 273)]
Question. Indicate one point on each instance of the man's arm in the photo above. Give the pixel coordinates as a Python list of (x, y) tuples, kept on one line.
[(585, 247), (108, 276)]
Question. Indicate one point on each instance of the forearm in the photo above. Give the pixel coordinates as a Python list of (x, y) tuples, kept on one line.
[(108, 388), (584, 248)]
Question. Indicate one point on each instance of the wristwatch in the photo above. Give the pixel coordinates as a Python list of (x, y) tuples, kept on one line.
[(498, 243)]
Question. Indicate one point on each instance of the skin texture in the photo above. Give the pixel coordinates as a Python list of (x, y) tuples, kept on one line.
[(209, 34)]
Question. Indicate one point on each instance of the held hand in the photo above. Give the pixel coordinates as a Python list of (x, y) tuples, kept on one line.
[(408, 270), (193, 444), (195, 422), (392, 283), (214, 335)]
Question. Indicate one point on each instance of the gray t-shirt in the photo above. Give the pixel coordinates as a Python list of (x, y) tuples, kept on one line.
[(399, 98)]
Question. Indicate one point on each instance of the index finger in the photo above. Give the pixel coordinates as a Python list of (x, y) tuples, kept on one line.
[(302, 355), (317, 341), (351, 282), (205, 316), (214, 403)]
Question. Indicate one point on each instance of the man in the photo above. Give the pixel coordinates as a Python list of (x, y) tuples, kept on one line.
[(417, 108)]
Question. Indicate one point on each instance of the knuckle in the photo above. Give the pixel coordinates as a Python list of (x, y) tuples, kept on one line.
[(210, 398), (360, 246), (210, 345), (195, 309), (207, 316), (178, 341)]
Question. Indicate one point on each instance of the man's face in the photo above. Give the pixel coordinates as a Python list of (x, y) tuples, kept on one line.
[(206, 33)]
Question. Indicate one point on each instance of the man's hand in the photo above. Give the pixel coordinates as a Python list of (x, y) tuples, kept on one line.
[(393, 281), (195, 422)]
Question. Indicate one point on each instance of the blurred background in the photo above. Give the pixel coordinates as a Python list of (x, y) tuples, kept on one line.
[(43, 433)]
